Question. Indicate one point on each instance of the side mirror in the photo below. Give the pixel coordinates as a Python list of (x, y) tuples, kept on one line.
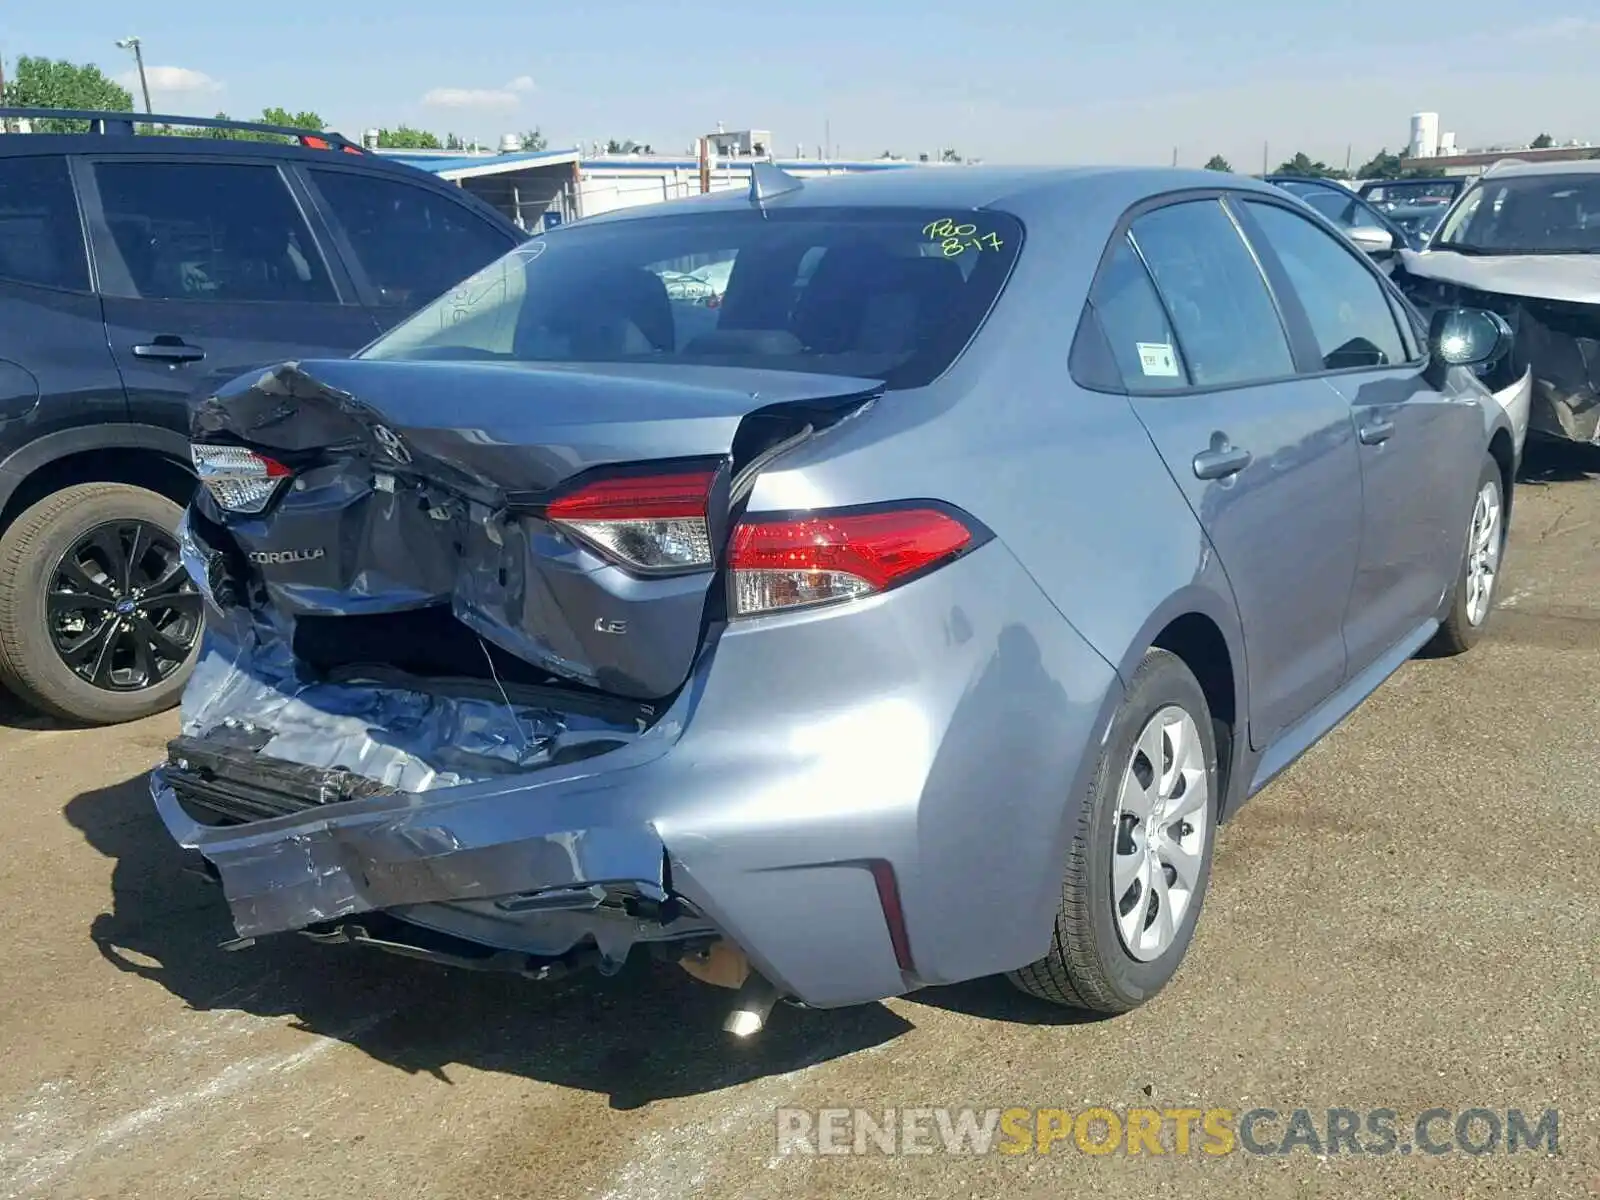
[(1371, 239), (1468, 337)]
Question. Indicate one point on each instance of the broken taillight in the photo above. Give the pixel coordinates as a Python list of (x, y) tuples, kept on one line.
[(646, 522), (239, 480), (825, 558)]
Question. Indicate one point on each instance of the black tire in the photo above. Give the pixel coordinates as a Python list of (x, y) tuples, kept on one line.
[(1457, 632), (33, 550), (1088, 966)]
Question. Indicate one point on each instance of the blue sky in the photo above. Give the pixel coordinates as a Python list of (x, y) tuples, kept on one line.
[(1007, 80)]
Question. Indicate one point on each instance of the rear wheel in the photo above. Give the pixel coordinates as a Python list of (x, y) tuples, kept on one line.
[(1141, 855), (99, 622), (1472, 601)]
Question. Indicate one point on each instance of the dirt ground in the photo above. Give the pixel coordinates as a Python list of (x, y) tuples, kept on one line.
[(1408, 919)]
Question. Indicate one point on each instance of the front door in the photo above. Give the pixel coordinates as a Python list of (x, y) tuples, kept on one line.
[(1412, 438), (1267, 460), (208, 270)]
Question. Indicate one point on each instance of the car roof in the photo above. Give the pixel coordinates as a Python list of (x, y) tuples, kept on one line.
[(1014, 189), (169, 146), (1515, 168), (1418, 181)]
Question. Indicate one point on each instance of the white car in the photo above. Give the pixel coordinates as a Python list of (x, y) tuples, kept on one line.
[(1524, 241)]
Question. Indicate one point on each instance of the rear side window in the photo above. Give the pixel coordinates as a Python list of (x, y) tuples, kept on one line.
[(884, 294), (1349, 311), (412, 243), (1135, 324), (41, 241), (219, 232), (1225, 317)]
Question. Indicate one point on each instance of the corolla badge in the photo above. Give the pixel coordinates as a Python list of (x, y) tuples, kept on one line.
[(271, 557), (390, 443)]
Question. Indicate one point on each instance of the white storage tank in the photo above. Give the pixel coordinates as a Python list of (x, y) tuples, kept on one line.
[(1425, 135)]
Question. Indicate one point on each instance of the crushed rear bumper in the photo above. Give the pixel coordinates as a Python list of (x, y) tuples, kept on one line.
[(865, 800)]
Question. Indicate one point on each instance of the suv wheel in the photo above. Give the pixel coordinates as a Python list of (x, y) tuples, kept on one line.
[(99, 621), (1141, 855)]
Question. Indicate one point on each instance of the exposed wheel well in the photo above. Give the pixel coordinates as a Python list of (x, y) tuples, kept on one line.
[(139, 467), (1501, 451), (1197, 640)]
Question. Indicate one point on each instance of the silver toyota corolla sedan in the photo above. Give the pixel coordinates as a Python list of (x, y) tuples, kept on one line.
[(912, 614)]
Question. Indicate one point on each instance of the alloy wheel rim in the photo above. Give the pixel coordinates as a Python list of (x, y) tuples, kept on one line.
[(1159, 836), (122, 612), (1483, 552)]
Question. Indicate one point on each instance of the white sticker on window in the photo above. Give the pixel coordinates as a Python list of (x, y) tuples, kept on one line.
[(1157, 358)]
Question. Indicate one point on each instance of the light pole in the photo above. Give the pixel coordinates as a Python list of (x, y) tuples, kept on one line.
[(133, 43)]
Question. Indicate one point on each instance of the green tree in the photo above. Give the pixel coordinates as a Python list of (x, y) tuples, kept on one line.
[(1381, 165), (1304, 168), (406, 138), (1543, 142), (308, 121), (46, 83), (453, 142), (532, 139), (1217, 163)]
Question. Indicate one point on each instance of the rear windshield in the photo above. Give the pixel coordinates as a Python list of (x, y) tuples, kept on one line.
[(890, 294)]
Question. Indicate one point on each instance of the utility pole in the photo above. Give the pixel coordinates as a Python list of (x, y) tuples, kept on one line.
[(134, 44), (1174, 156), (1348, 148), (1263, 158)]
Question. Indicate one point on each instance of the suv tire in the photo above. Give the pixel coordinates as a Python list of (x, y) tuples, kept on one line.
[(64, 594)]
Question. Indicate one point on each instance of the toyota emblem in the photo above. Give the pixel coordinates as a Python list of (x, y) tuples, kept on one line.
[(391, 443)]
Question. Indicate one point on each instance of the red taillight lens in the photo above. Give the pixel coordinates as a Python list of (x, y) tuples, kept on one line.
[(647, 522), (239, 480), (789, 564)]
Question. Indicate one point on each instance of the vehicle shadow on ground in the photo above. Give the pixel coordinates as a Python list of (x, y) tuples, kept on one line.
[(651, 1033), (1558, 462)]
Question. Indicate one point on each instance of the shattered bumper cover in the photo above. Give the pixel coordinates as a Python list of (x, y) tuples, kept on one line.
[(816, 776)]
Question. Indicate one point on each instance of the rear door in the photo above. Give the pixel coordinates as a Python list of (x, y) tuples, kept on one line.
[(1266, 459), (407, 242), (1419, 447), (55, 369), (208, 269)]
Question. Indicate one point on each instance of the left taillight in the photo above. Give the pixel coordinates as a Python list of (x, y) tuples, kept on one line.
[(824, 558), (651, 523), (239, 480)]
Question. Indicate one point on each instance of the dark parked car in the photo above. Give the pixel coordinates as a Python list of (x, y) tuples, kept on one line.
[(913, 615), (1373, 231), (134, 269), (1386, 193)]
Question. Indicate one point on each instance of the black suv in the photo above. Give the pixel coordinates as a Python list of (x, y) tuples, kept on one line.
[(136, 268)]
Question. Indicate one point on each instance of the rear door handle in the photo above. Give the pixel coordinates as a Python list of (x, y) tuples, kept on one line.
[(1376, 431), (169, 349), (1221, 462)]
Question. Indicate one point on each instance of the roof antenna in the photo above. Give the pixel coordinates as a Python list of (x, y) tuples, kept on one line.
[(768, 180)]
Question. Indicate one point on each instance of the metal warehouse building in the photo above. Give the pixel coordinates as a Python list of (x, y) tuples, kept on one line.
[(542, 188)]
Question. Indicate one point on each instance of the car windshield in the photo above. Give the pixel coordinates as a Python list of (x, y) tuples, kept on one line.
[(1419, 191), (880, 293), (1527, 214)]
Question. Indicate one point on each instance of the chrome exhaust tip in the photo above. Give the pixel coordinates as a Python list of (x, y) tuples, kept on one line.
[(751, 1007)]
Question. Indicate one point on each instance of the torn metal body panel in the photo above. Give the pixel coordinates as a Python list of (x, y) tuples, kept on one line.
[(785, 835), (422, 696), (1552, 303)]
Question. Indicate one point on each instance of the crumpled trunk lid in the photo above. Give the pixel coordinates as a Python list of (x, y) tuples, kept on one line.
[(414, 523)]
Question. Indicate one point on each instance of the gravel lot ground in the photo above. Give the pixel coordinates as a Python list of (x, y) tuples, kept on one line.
[(1409, 919)]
